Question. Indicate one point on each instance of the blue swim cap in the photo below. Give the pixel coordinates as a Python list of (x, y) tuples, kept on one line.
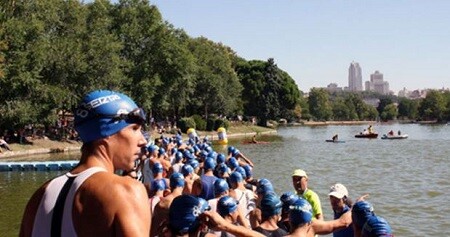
[(264, 186), (174, 150), (220, 186), (209, 164), (376, 226), (226, 205), (236, 177), (103, 113), (220, 158), (222, 169), (248, 170), (203, 154), (157, 168), (235, 153), (178, 157), (187, 170), (158, 185), (176, 180), (194, 163), (184, 214), (233, 163), (288, 198), (360, 212), (161, 151), (270, 205), (242, 171), (300, 212), (152, 148), (212, 154), (231, 149)]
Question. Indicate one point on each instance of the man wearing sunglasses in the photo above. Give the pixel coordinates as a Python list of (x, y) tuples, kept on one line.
[(91, 200)]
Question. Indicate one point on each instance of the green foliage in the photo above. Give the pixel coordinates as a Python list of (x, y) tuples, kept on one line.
[(221, 123), (408, 109), (200, 123), (433, 107), (185, 123), (390, 112), (319, 104)]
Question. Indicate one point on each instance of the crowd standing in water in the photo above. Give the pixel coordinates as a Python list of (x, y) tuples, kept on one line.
[(172, 187)]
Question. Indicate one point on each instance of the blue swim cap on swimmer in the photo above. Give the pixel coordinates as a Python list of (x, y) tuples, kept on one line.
[(103, 113), (209, 164), (242, 171), (187, 170), (248, 170), (176, 180), (300, 212), (226, 205), (235, 153), (222, 169), (220, 158), (233, 163), (194, 163), (376, 226), (161, 151), (157, 168), (264, 186), (360, 212), (178, 157), (231, 149), (152, 148), (288, 198), (184, 214), (236, 177), (220, 186), (270, 205), (158, 185)]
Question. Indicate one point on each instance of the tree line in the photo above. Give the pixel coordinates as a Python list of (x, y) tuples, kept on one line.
[(52, 52)]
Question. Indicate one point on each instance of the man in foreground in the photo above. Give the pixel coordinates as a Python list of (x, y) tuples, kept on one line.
[(91, 200)]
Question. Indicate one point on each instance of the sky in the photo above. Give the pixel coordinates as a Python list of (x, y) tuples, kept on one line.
[(315, 41)]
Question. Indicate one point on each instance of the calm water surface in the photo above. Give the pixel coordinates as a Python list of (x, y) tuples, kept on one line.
[(407, 179)]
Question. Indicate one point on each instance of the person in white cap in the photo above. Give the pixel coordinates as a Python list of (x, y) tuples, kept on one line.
[(300, 183), (341, 203)]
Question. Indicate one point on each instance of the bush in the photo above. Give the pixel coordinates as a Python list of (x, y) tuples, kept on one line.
[(185, 123), (210, 124), (221, 123), (200, 123)]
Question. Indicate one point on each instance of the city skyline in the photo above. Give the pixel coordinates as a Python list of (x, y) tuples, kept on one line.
[(314, 41)]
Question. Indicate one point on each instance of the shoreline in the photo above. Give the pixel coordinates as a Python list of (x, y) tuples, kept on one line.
[(43, 146)]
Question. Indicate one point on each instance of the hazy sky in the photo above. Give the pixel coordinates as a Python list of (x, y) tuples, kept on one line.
[(316, 40)]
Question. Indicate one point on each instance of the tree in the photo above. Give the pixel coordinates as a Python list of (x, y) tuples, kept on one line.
[(408, 108), (433, 106), (319, 104), (390, 112)]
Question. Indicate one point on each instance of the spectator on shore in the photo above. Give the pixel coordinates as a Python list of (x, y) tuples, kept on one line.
[(4, 144), (300, 183), (98, 202)]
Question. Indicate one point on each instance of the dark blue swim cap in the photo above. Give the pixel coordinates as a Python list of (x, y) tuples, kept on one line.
[(233, 163), (176, 180), (376, 226), (187, 170), (226, 205), (209, 164), (242, 171), (220, 158), (360, 212), (158, 185), (248, 170), (157, 168), (270, 205), (264, 186), (300, 212), (184, 214), (103, 113), (236, 177), (220, 186), (288, 198)]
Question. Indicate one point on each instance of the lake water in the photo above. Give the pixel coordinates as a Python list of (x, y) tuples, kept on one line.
[(407, 179)]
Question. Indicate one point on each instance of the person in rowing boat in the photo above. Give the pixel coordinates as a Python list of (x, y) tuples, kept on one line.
[(91, 200), (335, 138)]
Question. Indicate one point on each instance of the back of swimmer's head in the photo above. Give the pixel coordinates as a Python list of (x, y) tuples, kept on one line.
[(103, 113), (376, 226), (300, 213)]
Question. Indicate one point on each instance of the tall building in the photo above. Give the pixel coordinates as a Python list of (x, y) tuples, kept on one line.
[(377, 83), (354, 77)]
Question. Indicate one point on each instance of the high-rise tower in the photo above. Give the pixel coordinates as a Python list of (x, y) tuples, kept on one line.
[(354, 77)]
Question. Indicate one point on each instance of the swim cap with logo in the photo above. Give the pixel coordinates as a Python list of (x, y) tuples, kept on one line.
[(270, 205), (300, 212), (376, 226), (157, 168), (103, 113), (288, 198), (220, 186), (184, 214), (226, 205), (361, 211), (176, 180)]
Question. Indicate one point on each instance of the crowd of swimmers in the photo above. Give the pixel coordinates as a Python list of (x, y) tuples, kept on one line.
[(174, 187)]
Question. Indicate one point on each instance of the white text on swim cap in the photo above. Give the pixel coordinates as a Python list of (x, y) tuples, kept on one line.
[(101, 100)]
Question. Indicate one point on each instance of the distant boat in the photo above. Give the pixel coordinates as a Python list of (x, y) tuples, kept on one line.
[(367, 135), (403, 136), (335, 141)]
